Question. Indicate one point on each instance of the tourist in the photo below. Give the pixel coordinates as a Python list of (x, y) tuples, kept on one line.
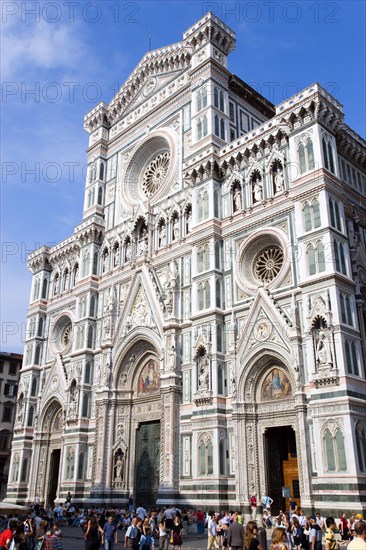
[(293, 506), (315, 535), (250, 537), (40, 535), (343, 526), (267, 502), (279, 539), (163, 535), (330, 540), (177, 530), (131, 536), (92, 534), (297, 532), (235, 535), (146, 540), (200, 524), (253, 505), (359, 540), (109, 534), (212, 532)]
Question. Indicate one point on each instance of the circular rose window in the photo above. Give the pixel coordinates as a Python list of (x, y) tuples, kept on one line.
[(155, 173), (262, 260), (268, 264), (61, 335)]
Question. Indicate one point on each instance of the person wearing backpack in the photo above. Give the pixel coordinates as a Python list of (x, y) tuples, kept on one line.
[(315, 535), (146, 540)]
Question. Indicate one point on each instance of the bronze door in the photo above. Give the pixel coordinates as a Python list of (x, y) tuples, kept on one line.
[(147, 463)]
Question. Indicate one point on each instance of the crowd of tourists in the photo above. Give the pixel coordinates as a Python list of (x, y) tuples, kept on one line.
[(168, 528)]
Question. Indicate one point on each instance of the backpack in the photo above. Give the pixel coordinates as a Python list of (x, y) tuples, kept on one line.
[(147, 543)]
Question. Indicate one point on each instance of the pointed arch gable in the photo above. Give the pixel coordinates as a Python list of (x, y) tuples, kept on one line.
[(235, 176), (141, 283)]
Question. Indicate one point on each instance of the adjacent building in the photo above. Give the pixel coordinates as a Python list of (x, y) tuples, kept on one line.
[(10, 365), (201, 334)]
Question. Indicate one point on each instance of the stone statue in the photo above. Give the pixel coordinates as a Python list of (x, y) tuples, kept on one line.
[(119, 466), (189, 222), (258, 192), (175, 229), (237, 199), (323, 350), (279, 181), (143, 244), (162, 235), (128, 251)]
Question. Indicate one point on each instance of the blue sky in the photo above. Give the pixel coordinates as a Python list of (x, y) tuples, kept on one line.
[(59, 59)]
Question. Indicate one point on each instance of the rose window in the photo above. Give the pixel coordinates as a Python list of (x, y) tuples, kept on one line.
[(155, 173), (268, 264), (66, 335)]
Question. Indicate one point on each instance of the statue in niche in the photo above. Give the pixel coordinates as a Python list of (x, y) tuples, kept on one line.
[(237, 199), (323, 349), (189, 222), (115, 256), (143, 242), (279, 180), (20, 408), (203, 374), (162, 235), (173, 357), (175, 229), (257, 191), (127, 251), (119, 465)]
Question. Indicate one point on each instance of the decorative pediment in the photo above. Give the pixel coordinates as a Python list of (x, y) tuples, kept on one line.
[(265, 326), (139, 307), (56, 384)]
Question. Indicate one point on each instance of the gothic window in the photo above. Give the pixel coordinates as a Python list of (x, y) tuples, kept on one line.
[(201, 99), (335, 217), (207, 292), (351, 350), (87, 377), (70, 463), (340, 260), (32, 327), (219, 127), (221, 379), (81, 466), (218, 293), (37, 355), (44, 289), (201, 299), (335, 452), (15, 468), (86, 405), (90, 341), (316, 258), (222, 457), (205, 456), (204, 299), (40, 327), (100, 195), (306, 155), (101, 171), (232, 111), (202, 127), (30, 416), (202, 206), (34, 386), (93, 303), (311, 215), (328, 153), (36, 289), (219, 101), (217, 202), (218, 253), (361, 445), (24, 474), (346, 309), (219, 336)]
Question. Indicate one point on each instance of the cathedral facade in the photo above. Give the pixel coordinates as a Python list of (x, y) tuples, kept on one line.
[(201, 335)]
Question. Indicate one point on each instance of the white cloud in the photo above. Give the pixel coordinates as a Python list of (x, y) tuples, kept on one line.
[(41, 46)]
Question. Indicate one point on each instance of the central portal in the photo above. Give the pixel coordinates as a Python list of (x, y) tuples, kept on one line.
[(282, 467), (53, 476), (147, 463)]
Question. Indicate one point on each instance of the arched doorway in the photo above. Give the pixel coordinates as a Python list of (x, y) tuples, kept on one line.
[(48, 476), (138, 424)]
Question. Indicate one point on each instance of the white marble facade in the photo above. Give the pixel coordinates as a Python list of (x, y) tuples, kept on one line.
[(216, 284)]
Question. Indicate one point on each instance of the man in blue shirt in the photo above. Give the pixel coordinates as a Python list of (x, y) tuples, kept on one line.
[(109, 537)]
